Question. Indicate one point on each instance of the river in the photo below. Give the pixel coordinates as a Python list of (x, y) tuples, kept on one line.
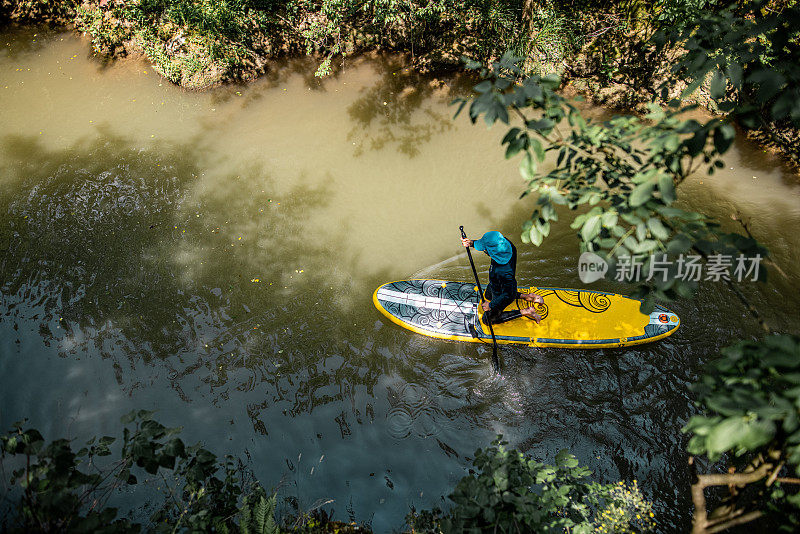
[(212, 256)]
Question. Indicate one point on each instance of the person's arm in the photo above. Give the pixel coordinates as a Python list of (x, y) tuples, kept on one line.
[(467, 242)]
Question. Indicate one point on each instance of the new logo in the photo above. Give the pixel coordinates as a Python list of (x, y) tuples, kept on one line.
[(591, 267)]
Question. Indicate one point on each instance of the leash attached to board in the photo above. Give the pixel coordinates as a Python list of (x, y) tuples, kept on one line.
[(495, 359)]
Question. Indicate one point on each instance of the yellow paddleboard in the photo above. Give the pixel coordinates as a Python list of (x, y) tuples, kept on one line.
[(571, 318)]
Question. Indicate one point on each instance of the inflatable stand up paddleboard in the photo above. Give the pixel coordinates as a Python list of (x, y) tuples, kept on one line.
[(571, 318)]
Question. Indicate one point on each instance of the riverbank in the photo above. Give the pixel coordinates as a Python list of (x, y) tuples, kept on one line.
[(607, 57), (204, 43)]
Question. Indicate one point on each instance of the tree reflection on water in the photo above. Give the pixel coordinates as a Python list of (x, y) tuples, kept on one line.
[(129, 252)]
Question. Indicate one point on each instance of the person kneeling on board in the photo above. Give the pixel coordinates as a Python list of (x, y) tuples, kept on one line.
[(502, 288)]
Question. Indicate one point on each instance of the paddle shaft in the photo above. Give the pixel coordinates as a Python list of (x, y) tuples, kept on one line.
[(495, 359)]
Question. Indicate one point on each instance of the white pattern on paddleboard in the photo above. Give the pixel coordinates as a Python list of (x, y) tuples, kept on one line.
[(423, 301)]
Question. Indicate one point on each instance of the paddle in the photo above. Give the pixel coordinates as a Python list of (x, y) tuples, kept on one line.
[(495, 359)]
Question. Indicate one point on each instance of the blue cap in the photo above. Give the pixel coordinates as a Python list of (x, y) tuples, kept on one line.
[(496, 246)]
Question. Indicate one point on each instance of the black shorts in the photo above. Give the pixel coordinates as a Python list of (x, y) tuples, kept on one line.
[(496, 315)]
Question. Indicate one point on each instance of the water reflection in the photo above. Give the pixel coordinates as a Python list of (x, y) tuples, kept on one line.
[(396, 110), (119, 250)]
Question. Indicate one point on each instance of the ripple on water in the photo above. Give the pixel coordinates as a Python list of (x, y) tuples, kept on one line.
[(413, 412)]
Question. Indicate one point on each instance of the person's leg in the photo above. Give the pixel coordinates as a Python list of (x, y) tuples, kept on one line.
[(498, 314), (530, 313), (531, 297), (501, 317)]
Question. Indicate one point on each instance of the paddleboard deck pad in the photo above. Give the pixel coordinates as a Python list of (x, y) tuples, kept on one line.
[(571, 318)]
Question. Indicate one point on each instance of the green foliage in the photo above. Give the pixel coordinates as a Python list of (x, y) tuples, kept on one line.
[(257, 514), (437, 28), (53, 483), (551, 38), (750, 53), (51, 11), (623, 174), (671, 14), (190, 42), (61, 490), (510, 492), (106, 34), (199, 42), (751, 397)]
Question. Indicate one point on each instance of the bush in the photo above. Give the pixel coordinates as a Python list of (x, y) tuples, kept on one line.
[(510, 492)]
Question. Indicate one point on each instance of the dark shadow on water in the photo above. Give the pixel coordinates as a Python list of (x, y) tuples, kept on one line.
[(393, 113), (18, 41), (116, 250)]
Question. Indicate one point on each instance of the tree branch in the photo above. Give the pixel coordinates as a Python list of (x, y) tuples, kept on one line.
[(746, 518), (700, 521)]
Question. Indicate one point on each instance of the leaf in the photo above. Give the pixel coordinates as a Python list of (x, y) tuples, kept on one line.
[(647, 245), (609, 219), (666, 186), (718, 85), (579, 220), (734, 72), (723, 137), (551, 80), (483, 87), (535, 236), (725, 436), (532, 90), (768, 81), (512, 134), (502, 113), (527, 167), (630, 218), (145, 415), (648, 304), (538, 149), (562, 456), (541, 125), (641, 194), (576, 119), (657, 228), (461, 103), (543, 227), (128, 417), (679, 244), (591, 228), (695, 144), (757, 434), (514, 147), (641, 231), (787, 104), (270, 527), (175, 448)]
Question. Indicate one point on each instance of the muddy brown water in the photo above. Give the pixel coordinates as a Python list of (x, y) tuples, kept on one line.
[(212, 256)]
